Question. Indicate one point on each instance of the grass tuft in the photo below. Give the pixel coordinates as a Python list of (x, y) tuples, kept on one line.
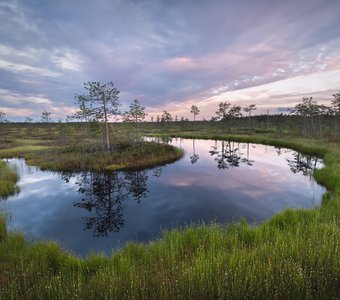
[(8, 180)]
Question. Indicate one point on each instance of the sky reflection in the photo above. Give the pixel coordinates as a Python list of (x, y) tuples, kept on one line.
[(101, 212)]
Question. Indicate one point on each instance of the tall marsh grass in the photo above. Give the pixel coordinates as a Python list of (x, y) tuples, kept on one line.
[(8, 180), (293, 256)]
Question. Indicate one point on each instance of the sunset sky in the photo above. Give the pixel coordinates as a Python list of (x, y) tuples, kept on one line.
[(168, 54)]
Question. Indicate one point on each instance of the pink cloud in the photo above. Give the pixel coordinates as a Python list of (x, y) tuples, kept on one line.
[(179, 64)]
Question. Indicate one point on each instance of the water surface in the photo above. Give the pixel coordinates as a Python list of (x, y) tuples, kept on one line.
[(215, 182)]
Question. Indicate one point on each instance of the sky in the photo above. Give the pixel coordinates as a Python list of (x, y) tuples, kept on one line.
[(168, 54)]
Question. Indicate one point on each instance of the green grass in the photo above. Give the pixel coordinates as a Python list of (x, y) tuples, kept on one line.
[(295, 255), (75, 158), (8, 180)]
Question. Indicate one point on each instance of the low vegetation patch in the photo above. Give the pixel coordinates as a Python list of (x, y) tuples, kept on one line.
[(80, 152), (127, 156), (8, 180)]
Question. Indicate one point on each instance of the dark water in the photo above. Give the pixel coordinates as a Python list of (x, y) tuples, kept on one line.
[(215, 181)]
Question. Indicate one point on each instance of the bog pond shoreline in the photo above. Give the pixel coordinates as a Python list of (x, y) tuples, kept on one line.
[(215, 182), (294, 254)]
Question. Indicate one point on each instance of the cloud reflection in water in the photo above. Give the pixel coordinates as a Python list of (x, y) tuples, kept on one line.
[(102, 211)]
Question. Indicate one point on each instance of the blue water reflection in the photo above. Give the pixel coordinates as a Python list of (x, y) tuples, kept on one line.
[(215, 181)]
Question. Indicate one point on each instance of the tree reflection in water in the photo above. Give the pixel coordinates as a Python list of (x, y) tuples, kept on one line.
[(157, 172), (303, 163), (247, 160), (194, 157), (229, 156), (105, 195)]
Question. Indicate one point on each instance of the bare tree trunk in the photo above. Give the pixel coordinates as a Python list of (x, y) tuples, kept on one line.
[(320, 126), (107, 135), (313, 129), (107, 129), (249, 123), (267, 118)]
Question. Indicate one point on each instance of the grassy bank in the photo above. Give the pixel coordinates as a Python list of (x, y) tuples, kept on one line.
[(52, 156), (8, 180), (295, 255)]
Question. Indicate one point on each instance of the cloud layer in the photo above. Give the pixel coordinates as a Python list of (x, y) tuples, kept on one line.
[(168, 54)]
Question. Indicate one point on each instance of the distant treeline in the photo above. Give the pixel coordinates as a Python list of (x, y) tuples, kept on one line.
[(306, 119)]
